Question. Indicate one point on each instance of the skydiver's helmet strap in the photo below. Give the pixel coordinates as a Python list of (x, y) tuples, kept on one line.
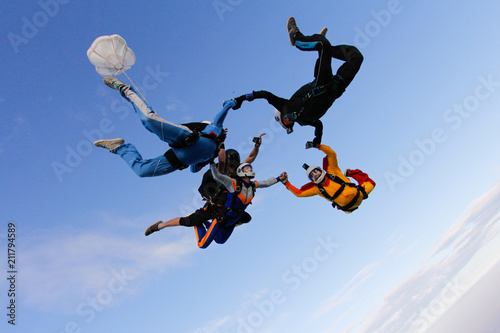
[(245, 170)]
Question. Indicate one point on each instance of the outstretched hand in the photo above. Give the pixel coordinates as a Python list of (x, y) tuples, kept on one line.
[(229, 103), (258, 140), (311, 144), (283, 177), (239, 100)]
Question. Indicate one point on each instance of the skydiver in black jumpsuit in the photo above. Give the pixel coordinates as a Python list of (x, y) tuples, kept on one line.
[(308, 104)]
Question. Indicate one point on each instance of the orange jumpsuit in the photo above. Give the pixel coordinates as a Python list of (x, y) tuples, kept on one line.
[(330, 165)]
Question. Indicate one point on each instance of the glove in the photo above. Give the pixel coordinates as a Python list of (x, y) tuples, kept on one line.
[(229, 103), (285, 179), (239, 101), (222, 136), (311, 144)]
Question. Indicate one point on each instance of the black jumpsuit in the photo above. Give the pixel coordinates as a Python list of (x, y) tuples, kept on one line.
[(307, 105)]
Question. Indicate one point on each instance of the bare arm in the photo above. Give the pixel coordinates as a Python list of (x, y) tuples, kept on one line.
[(255, 151), (222, 158)]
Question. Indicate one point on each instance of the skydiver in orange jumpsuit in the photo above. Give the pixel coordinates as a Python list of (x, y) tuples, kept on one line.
[(332, 184)]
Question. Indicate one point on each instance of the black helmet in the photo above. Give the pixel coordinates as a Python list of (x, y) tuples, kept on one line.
[(232, 160)]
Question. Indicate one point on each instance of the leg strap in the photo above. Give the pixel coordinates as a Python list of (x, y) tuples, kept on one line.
[(174, 161)]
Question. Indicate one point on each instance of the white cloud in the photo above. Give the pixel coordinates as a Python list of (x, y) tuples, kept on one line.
[(476, 210), (466, 316), (344, 315), (215, 325), (62, 270), (257, 313), (339, 297), (228, 323), (435, 283)]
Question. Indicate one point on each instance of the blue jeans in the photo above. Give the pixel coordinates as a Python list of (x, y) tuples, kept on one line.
[(195, 155), (144, 168)]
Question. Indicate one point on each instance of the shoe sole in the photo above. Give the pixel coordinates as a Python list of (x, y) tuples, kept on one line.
[(291, 24), (102, 143)]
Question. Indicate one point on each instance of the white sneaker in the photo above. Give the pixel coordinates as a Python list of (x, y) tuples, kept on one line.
[(110, 144), (115, 83)]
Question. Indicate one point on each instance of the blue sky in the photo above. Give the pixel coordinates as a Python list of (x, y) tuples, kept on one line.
[(421, 118)]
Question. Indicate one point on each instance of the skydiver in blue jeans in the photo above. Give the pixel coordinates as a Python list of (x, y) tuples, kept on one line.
[(193, 144)]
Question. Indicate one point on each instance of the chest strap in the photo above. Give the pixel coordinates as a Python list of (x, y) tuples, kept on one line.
[(343, 184), (237, 191), (223, 209)]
